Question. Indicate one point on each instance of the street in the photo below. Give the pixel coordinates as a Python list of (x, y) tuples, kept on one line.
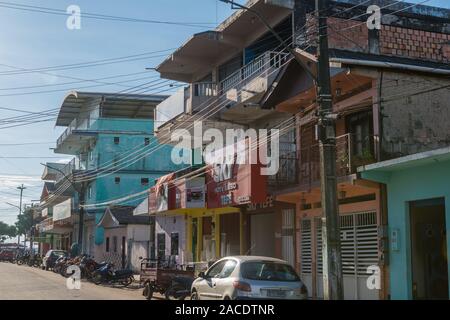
[(25, 283)]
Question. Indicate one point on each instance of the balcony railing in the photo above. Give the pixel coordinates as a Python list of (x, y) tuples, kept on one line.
[(265, 62), (287, 173), (68, 169), (205, 89), (350, 154), (76, 124)]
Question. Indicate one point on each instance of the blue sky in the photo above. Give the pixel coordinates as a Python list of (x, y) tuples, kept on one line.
[(33, 40)]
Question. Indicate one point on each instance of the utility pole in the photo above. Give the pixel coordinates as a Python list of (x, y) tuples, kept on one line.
[(21, 188), (331, 238), (81, 195), (326, 130)]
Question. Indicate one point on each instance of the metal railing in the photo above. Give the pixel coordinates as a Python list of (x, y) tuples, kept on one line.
[(76, 124), (287, 174), (350, 154), (265, 62), (68, 169), (205, 89)]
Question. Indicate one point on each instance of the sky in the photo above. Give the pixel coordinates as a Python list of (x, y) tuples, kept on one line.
[(30, 40)]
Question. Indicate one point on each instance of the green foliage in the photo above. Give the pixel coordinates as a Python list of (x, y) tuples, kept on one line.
[(24, 222), (7, 231)]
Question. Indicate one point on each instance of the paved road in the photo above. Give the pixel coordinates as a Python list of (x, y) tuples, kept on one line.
[(25, 283)]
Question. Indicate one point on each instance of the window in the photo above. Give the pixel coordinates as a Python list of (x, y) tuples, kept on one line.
[(228, 269), (91, 155), (114, 244), (147, 141), (107, 244), (360, 126), (174, 240), (268, 271), (144, 181), (117, 180), (90, 192), (116, 140), (215, 270)]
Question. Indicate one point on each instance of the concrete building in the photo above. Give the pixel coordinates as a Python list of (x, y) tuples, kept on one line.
[(116, 153), (418, 201)]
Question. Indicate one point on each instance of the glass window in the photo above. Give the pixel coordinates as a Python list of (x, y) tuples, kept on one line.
[(90, 192), (268, 271), (215, 270), (107, 244), (117, 180), (116, 140), (147, 141), (228, 269)]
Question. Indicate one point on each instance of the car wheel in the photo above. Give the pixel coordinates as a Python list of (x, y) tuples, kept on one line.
[(194, 295)]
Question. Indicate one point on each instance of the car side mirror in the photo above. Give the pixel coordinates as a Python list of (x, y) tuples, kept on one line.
[(202, 275)]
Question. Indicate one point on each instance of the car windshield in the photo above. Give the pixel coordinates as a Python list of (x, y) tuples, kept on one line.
[(268, 271), (59, 253)]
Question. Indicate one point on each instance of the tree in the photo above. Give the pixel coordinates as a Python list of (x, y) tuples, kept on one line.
[(24, 222), (7, 231)]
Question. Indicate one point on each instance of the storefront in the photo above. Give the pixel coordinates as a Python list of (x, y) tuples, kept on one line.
[(270, 229), (418, 200)]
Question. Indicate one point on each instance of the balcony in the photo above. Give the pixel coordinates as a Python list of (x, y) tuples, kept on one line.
[(287, 175), (68, 169), (249, 84), (350, 154), (74, 137)]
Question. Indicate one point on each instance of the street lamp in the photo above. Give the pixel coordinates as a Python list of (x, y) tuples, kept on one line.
[(80, 192)]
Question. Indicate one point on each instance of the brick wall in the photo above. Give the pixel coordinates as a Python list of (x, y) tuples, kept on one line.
[(415, 43), (391, 40), (348, 35)]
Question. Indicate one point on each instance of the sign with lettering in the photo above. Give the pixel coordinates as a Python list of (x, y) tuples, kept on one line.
[(234, 184)]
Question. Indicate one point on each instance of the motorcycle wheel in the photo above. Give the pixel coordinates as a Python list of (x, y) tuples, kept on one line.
[(19, 262), (171, 292), (148, 291), (127, 281), (97, 279)]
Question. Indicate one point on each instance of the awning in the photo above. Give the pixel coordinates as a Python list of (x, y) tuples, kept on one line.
[(113, 105)]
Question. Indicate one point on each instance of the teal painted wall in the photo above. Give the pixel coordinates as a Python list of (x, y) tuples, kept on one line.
[(403, 186), (132, 134)]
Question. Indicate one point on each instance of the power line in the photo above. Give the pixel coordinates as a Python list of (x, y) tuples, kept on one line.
[(97, 16)]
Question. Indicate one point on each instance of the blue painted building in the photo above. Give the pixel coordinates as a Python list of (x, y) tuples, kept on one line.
[(418, 200), (116, 153)]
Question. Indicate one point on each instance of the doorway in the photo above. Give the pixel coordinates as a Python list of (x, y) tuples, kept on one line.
[(429, 249), (262, 234)]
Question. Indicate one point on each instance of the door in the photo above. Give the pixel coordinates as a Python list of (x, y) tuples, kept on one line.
[(429, 250), (207, 286), (262, 235)]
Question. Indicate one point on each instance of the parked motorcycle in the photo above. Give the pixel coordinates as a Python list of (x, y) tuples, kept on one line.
[(88, 266), (106, 274), (180, 288), (23, 258), (59, 264)]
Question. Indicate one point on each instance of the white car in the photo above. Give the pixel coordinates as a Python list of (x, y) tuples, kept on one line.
[(248, 277)]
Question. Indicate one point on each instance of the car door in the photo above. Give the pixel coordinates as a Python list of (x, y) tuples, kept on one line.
[(222, 285), (206, 286)]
